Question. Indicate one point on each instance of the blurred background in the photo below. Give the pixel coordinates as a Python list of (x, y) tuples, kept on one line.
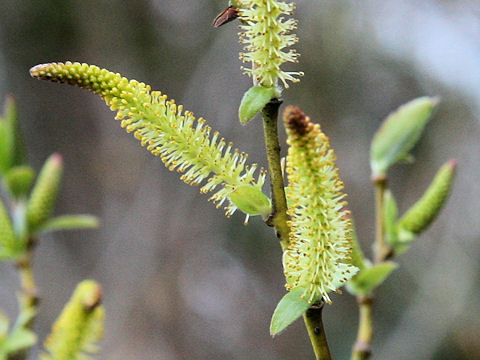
[(181, 281)]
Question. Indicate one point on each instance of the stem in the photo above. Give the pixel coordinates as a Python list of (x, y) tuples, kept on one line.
[(381, 250), (362, 347), (278, 218), (314, 324), (28, 299)]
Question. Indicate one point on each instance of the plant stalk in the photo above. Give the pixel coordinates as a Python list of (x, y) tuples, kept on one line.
[(278, 218), (381, 250), (28, 298), (362, 347), (316, 332)]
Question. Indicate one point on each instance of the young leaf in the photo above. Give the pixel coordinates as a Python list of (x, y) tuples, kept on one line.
[(79, 327), (4, 325), (70, 222), (399, 133), (10, 246), (289, 309), (251, 200), (11, 145), (253, 101), (358, 258), (20, 337), (426, 209), (18, 180), (369, 279)]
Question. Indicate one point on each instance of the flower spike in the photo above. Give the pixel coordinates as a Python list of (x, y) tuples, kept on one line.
[(184, 144), (317, 259), (266, 34)]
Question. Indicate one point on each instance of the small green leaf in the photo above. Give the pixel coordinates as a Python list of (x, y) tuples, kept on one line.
[(18, 180), (390, 213), (253, 101), (399, 133), (289, 309), (11, 144), (251, 200), (20, 339), (369, 279), (70, 222), (10, 246), (358, 258), (4, 325)]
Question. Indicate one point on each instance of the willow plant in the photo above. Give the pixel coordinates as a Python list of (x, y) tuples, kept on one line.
[(310, 213), (26, 213)]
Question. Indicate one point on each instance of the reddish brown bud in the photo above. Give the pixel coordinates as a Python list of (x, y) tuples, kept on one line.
[(296, 120), (229, 14)]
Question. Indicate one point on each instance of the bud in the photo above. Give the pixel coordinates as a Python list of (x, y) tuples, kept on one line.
[(44, 194), (426, 209), (80, 325)]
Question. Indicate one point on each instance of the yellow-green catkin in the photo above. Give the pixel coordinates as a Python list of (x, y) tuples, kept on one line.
[(265, 32), (317, 259), (44, 194), (8, 241), (79, 327), (426, 209), (184, 144)]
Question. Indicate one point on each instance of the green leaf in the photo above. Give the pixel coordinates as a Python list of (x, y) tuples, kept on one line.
[(20, 339), (399, 133), (358, 258), (11, 147), (289, 309), (390, 213), (10, 246), (18, 180), (4, 325), (369, 279), (70, 222), (253, 101), (251, 200)]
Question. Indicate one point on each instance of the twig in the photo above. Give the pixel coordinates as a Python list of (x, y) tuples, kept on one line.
[(278, 218), (362, 347), (314, 324)]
